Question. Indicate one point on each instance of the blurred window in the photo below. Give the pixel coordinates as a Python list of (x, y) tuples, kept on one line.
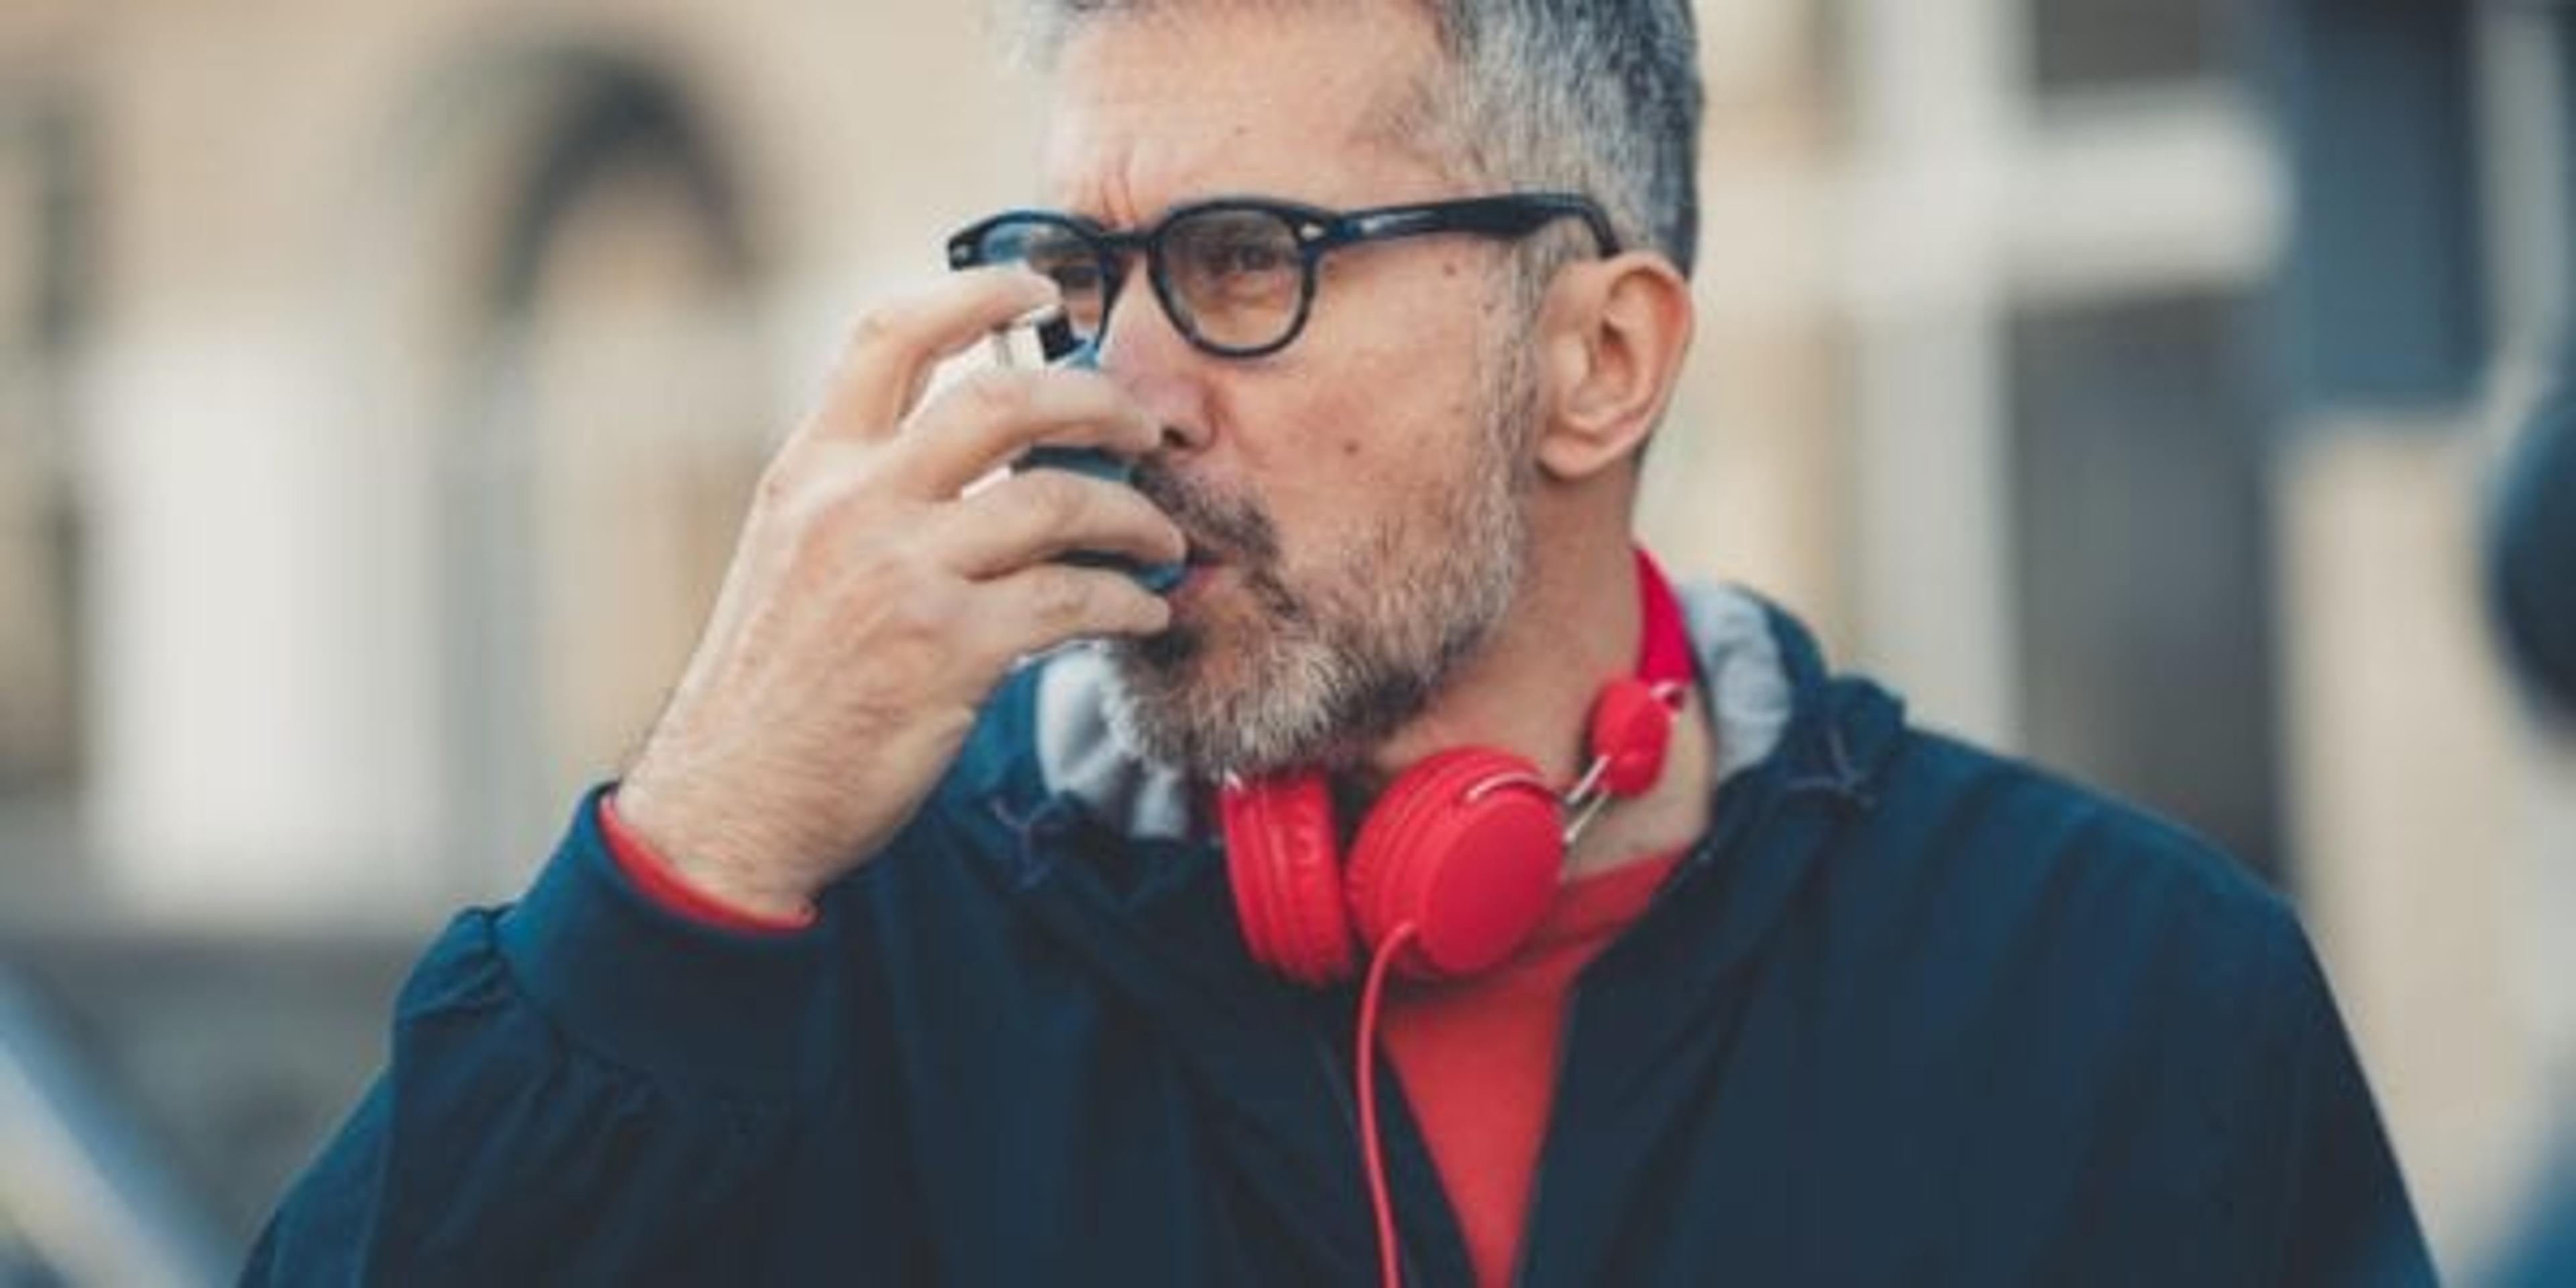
[(1776, 77), (2144, 556), (2083, 45), (2387, 285), (41, 220), (620, 427)]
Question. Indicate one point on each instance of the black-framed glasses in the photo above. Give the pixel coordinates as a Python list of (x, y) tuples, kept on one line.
[(1237, 274)]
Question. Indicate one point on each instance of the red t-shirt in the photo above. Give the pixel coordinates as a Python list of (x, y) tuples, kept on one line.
[(1479, 1057)]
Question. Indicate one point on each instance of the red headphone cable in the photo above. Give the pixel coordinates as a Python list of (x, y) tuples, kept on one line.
[(1381, 1201)]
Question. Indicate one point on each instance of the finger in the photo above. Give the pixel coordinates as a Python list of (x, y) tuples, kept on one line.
[(1037, 515), (993, 416), (1048, 604), (888, 356)]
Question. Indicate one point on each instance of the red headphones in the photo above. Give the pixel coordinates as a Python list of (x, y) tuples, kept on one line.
[(1465, 847)]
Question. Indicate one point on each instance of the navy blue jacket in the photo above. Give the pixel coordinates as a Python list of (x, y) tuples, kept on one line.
[(1909, 1014)]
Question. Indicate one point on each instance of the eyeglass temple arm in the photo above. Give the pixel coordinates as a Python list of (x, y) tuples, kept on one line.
[(1516, 215)]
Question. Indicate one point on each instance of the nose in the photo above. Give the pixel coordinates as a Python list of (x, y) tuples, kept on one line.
[(1147, 355)]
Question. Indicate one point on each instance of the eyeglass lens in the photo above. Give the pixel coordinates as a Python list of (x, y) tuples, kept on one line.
[(1233, 278), (1059, 252)]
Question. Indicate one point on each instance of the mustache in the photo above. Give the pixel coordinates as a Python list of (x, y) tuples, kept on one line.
[(1232, 527)]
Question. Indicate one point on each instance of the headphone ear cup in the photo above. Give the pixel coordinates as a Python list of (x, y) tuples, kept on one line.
[(1466, 847), (1287, 879), (1630, 730)]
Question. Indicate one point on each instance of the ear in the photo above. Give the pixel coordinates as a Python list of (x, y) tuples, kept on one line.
[(1612, 335)]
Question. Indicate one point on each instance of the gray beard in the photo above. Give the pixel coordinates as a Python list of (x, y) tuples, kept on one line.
[(1352, 652)]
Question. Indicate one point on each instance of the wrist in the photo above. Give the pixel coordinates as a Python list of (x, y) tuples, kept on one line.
[(705, 870)]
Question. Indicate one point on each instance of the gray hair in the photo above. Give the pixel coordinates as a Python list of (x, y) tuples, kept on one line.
[(1600, 97)]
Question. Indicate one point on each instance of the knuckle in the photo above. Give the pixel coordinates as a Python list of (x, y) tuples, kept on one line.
[(912, 600), (802, 474), (996, 394), (812, 504), (914, 582), (1062, 597), (780, 486), (878, 327), (1059, 498), (917, 628)]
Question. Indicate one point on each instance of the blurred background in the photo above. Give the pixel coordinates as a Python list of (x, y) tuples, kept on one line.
[(381, 384)]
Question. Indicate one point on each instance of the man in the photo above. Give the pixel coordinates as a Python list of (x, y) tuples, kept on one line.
[(892, 960)]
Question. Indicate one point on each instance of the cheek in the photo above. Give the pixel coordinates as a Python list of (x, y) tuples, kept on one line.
[(1372, 469), (1380, 431), (1376, 403), (1402, 400)]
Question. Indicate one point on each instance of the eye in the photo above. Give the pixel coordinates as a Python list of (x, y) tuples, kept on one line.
[(1229, 250), (1247, 256)]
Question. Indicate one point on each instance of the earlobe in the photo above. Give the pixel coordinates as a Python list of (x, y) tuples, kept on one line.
[(1615, 333)]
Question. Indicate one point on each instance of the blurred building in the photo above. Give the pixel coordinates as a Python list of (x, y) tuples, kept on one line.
[(380, 386)]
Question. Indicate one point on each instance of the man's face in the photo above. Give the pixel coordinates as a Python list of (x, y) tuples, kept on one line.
[(1356, 497)]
